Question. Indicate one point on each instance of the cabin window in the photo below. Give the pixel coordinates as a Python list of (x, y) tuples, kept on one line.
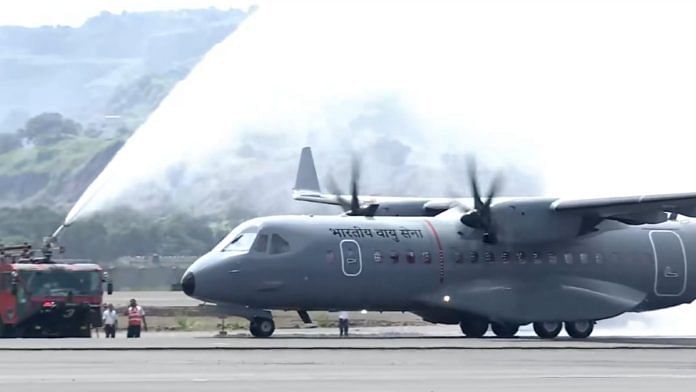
[(553, 259), (505, 257), (584, 258), (473, 257), (490, 257), (410, 257), (458, 257), (394, 256), (427, 259), (598, 258), (568, 258), (378, 257), (261, 244), (536, 258), (521, 257), (278, 245)]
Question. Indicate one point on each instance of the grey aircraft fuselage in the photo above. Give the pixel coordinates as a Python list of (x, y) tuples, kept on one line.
[(441, 270)]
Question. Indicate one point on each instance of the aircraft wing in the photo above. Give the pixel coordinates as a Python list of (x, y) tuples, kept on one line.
[(632, 209)]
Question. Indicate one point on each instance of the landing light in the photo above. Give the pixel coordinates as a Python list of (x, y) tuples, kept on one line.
[(446, 298), (364, 311)]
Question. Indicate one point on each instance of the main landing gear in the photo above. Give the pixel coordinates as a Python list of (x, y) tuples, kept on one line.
[(579, 329), (476, 328), (261, 327)]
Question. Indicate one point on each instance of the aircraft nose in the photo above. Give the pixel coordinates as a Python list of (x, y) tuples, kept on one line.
[(188, 283)]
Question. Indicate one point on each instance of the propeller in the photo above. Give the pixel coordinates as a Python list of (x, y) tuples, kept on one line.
[(480, 216), (353, 206)]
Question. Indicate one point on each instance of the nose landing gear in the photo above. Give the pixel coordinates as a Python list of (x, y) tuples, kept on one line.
[(261, 327)]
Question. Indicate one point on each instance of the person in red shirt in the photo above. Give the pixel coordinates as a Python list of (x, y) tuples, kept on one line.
[(136, 319)]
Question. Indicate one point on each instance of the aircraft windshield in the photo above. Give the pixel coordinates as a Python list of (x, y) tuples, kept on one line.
[(240, 243), (240, 239), (60, 282)]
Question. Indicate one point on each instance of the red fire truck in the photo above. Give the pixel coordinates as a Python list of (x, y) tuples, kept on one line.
[(43, 298)]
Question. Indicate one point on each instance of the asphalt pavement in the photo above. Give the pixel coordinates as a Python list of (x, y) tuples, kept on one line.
[(196, 362)]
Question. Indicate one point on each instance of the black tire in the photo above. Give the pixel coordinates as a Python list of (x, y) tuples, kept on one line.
[(474, 327), (262, 327), (548, 330), (504, 330), (579, 329)]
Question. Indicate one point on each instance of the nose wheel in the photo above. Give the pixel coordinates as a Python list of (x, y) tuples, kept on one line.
[(261, 327)]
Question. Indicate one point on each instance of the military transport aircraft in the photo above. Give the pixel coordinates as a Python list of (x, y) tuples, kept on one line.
[(475, 262)]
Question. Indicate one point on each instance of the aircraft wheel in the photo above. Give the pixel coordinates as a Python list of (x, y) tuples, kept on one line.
[(474, 328), (548, 330), (262, 327), (504, 330), (579, 329)]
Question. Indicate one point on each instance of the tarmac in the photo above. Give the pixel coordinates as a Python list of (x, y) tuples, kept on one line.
[(636, 353), (415, 359)]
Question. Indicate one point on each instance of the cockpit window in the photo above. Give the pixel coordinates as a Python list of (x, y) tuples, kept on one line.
[(240, 243), (278, 245), (261, 243)]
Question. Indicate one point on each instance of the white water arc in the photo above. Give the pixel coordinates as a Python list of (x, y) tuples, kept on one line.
[(579, 93)]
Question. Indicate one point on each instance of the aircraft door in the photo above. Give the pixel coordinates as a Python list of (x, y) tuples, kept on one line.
[(670, 263), (351, 258)]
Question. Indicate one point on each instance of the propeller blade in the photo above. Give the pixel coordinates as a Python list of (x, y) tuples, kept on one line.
[(480, 217), (473, 182), (333, 188), (354, 179), (494, 188)]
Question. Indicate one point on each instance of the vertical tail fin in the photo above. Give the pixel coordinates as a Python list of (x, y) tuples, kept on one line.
[(307, 179)]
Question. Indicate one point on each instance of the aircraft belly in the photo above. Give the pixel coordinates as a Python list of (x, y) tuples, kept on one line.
[(567, 298)]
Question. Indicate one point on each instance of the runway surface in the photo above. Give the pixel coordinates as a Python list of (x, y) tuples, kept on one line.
[(161, 299), (296, 362)]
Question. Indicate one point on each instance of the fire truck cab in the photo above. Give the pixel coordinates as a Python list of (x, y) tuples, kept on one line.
[(42, 298)]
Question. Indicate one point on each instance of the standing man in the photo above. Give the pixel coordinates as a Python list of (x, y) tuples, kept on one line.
[(343, 323), (136, 319), (110, 321)]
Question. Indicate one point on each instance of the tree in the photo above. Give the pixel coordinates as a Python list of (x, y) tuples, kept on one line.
[(9, 142), (49, 128)]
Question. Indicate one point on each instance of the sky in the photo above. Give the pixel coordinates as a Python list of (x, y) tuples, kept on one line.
[(75, 12)]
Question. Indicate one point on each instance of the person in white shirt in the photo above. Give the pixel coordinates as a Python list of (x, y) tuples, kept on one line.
[(343, 323), (110, 321)]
